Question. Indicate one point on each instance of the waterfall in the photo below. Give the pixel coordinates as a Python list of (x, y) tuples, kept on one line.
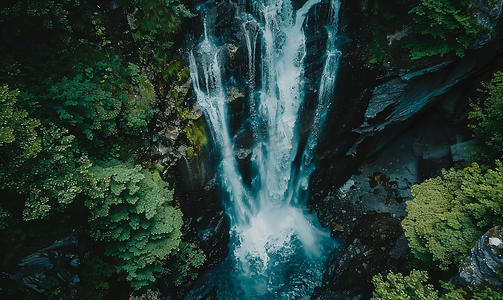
[(277, 250)]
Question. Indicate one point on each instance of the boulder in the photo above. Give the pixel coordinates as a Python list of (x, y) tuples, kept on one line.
[(484, 262), (459, 152), (34, 269), (376, 243)]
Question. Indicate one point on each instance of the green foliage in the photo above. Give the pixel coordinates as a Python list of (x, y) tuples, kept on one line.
[(45, 13), (485, 291), (493, 3), (196, 135), (139, 112), (5, 218), (18, 137), (41, 28), (46, 167), (449, 214), (482, 194), (51, 285), (95, 106), (158, 20), (55, 177), (161, 15), (132, 213), (85, 106), (397, 287), (97, 22), (436, 227), (442, 26), (94, 280), (488, 117), (60, 53), (381, 22), (187, 260)]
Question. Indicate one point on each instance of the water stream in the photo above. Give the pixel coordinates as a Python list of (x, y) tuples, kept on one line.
[(278, 250)]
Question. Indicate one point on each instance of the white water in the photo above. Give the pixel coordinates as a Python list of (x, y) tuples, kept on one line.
[(271, 233)]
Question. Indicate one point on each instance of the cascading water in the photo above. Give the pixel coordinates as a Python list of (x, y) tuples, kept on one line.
[(278, 250)]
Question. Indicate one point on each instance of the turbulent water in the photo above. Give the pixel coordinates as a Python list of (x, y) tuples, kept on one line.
[(278, 250)]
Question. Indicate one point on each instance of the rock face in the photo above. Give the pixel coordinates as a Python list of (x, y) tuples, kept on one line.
[(409, 92), (375, 244), (485, 261), (32, 270), (373, 104)]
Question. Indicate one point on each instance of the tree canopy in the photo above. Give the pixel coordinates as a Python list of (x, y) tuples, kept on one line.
[(132, 213), (79, 91)]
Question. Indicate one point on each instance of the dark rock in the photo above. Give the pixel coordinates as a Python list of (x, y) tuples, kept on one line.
[(485, 261), (489, 16), (378, 229), (449, 106), (459, 152), (212, 295), (63, 253), (244, 164), (375, 244)]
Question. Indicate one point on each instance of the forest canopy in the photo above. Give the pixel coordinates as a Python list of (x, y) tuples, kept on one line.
[(79, 90)]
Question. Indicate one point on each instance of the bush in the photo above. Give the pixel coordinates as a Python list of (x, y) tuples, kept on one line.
[(442, 26)]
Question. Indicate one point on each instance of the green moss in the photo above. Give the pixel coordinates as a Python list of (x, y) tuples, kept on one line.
[(236, 59), (196, 134)]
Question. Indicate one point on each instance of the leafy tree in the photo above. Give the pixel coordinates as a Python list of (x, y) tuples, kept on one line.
[(132, 214), (85, 106), (157, 24), (158, 20), (138, 112), (450, 213), (482, 193), (43, 166), (398, 287), (84, 94), (18, 136), (442, 26), (54, 178), (488, 117), (95, 277), (37, 36), (187, 259)]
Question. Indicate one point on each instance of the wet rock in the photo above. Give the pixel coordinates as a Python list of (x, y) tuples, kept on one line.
[(459, 152), (336, 227), (390, 186), (207, 227), (378, 229), (452, 108), (384, 96), (407, 75), (234, 93), (375, 244), (398, 100), (244, 164), (212, 295), (167, 148), (215, 239), (398, 35), (488, 16), (484, 262), (34, 269)]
